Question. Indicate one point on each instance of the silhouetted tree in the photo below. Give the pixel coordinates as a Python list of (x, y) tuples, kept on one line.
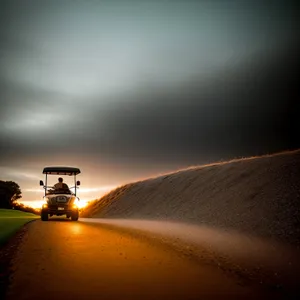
[(10, 192)]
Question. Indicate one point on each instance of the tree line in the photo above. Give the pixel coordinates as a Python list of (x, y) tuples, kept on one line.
[(10, 192)]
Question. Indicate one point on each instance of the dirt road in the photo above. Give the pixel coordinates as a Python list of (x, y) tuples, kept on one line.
[(75, 260)]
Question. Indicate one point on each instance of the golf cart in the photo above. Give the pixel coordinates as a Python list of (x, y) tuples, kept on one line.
[(60, 201)]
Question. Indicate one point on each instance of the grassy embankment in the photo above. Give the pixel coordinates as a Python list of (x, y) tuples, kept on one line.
[(11, 221)]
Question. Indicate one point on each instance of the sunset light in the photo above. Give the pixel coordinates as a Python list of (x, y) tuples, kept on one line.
[(33, 203), (81, 203), (38, 203), (31, 195)]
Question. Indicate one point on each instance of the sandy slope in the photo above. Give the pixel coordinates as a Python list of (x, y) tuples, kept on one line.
[(259, 196)]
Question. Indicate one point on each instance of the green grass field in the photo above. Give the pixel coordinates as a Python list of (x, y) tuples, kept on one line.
[(12, 220)]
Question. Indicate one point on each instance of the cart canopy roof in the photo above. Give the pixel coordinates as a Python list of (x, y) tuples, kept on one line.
[(61, 171)]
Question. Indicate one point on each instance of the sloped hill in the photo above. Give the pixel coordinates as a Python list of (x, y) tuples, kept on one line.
[(257, 195)]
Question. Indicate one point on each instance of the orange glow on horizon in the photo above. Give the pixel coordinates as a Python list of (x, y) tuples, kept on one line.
[(33, 204), (81, 203), (38, 203)]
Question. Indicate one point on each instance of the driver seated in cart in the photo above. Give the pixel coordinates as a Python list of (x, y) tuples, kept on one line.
[(61, 185)]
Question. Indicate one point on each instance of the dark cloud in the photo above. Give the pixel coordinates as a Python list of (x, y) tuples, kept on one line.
[(242, 111)]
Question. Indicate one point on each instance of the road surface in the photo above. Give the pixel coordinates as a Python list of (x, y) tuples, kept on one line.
[(76, 260)]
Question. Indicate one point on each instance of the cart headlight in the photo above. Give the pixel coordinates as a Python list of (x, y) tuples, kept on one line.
[(45, 205)]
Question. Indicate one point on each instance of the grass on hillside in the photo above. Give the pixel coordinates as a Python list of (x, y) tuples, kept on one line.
[(11, 221)]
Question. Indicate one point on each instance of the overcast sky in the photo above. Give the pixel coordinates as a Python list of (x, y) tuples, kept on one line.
[(130, 89)]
